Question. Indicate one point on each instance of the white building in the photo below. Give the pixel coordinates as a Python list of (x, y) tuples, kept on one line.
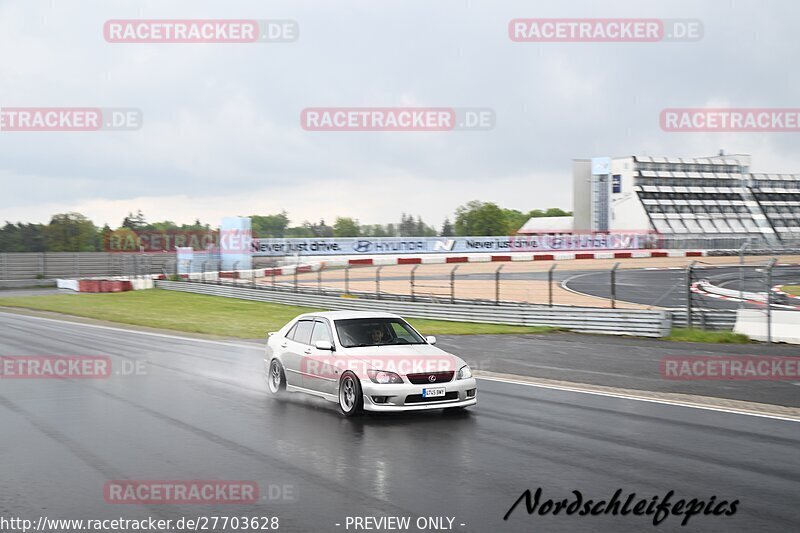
[(683, 199), (548, 225)]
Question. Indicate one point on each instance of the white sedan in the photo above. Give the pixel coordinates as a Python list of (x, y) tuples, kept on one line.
[(366, 361)]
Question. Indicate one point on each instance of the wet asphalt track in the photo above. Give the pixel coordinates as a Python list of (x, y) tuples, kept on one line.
[(667, 287), (200, 412)]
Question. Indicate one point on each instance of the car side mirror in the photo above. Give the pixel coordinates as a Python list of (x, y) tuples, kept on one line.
[(323, 345), (430, 339)]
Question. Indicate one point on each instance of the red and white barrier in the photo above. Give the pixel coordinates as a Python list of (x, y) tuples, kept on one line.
[(432, 259), (708, 289), (98, 284)]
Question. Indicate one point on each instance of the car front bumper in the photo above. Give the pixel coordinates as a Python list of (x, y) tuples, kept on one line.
[(407, 397)]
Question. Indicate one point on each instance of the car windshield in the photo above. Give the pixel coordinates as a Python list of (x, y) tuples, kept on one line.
[(356, 332)]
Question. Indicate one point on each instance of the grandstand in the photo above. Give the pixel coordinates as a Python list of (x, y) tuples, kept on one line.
[(710, 201)]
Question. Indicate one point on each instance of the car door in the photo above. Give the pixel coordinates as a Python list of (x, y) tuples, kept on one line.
[(293, 346), (320, 373)]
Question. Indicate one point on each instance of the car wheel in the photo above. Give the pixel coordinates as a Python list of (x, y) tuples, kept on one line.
[(351, 399), (276, 380)]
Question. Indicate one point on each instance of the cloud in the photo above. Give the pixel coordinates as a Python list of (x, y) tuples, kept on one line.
[(222, 133)]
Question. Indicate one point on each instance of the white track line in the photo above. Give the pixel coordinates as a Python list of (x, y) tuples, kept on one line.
[(673, 403), (135, 331)]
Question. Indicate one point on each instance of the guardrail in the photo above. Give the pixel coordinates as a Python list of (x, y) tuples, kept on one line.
[(643, 323), (717, 319), (707, 286)]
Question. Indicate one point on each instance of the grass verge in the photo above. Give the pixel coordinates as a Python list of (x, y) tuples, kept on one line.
[(699, 335), (213, 315), (794, 290)]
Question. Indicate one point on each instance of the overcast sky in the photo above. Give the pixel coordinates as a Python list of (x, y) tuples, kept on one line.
[(222, 133)]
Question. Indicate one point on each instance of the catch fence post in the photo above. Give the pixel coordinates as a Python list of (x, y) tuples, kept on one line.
[(550, 284), (497, 285), (689, 321), (614, 285), (768, 288), (453, 284), (378, 282), (413, 294)]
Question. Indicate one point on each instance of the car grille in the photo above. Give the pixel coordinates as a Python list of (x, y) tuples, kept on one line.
[(417, 398), (424, 379)]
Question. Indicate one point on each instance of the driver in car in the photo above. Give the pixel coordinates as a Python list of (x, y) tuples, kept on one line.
[(376, 335)]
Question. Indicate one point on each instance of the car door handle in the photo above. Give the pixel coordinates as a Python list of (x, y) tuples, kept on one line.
[(284, 345), (308, 351)]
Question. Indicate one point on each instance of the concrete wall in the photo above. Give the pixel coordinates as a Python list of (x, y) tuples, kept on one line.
[(627, 211), (753, 323), (582, 194)]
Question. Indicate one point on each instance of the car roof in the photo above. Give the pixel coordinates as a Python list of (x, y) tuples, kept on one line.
[(342, 315)]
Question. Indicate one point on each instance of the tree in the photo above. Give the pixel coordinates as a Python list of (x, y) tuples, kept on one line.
[(479, 218), (300, 232), (552, 212), (196, 226), (22, 238), (270, 225), (135, 222), (557, 212), (447, 228), (407, 227), (311, 230), (373, 230), (345, 227), (166, 225), (71, 232), (514, 220)]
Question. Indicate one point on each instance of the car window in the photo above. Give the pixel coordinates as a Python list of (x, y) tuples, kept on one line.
[(302, 333), (355, 332), (401, 332), (290, 333), (320, 333)]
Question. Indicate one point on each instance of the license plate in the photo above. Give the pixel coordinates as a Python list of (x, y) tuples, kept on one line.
[(433, 393)]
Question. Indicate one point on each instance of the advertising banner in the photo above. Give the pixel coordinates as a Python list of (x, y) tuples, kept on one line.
[(431, 245)]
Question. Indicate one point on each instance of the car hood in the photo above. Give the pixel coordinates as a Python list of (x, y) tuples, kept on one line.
[(400, 356)]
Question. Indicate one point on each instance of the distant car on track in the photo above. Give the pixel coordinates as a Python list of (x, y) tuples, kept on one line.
[(366, 361)]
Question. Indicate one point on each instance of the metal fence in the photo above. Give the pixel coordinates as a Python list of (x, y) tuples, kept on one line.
[(589, 320), (606, 283), (750, 283), (49, 265)]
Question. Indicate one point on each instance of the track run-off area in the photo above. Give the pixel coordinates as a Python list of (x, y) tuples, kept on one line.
[(197, 408)]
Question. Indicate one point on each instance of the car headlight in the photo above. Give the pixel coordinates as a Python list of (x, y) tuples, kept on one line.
[(464, 373), (383, 377)]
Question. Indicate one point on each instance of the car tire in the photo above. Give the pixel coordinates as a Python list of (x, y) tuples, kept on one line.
[(276, 378), (351, 398)]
